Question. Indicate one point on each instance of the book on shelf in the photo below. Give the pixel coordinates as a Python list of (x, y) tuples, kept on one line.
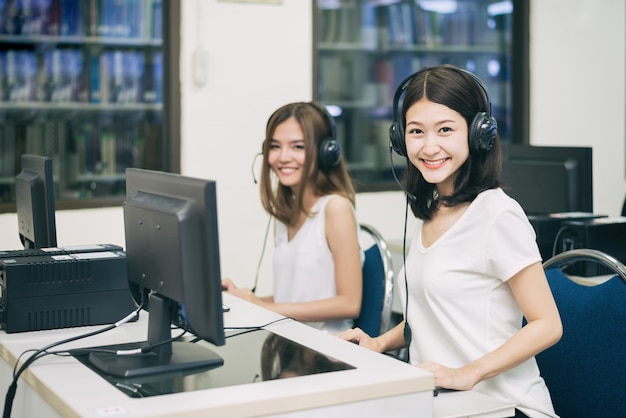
[(369, 26), (94, 78), (3, 62), (19, 75), (121, 76), (107, 164), (71, 18), (341, 25), (32, 16), (141, 19), (157, 20), (62, 76), (8, 133), (401, 24)]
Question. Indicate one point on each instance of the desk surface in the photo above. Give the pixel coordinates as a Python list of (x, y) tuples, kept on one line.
[(378, 385), (74, 390)]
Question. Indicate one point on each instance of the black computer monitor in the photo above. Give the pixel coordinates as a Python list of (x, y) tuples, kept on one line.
[(548, 179), (172, 251), (34, 200)]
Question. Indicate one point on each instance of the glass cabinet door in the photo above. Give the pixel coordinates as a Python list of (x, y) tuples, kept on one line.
[(81, 81), (365, 48)]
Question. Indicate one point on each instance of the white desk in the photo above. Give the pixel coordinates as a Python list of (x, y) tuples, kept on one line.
[(378, 386)]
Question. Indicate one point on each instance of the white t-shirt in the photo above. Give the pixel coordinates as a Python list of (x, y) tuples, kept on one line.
[(304, 269), (460, 305)]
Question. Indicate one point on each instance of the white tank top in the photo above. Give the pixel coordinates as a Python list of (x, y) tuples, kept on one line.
[(304, 269)]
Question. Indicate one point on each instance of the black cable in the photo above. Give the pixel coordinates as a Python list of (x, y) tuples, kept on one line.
[(258, 268), (39, 353), (407, 328), (556, 239), (246, 330)]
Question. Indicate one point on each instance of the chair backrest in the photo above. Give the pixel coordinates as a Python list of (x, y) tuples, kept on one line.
[(378, 276), (586, 370)]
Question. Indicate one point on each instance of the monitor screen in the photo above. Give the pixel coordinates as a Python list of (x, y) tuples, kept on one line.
[(548, 179), (172, 252), (34, 200)]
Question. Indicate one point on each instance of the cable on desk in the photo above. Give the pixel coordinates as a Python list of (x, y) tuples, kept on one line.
[(245, 330), (39, 353)]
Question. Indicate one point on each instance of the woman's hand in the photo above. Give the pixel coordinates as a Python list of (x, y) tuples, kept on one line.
[(228, 285), (448, 378), (245, 294), (358, 336)]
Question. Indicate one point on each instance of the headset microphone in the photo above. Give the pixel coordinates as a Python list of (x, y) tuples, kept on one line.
[(393, 171), (254, 161)]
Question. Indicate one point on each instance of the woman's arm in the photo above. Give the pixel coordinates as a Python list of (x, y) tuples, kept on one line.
[(532, 292)]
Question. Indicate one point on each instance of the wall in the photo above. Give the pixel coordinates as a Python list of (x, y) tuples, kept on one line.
[(260, 57)]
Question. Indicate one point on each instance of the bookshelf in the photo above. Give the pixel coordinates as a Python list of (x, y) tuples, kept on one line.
[(86, 82), (364, 48)]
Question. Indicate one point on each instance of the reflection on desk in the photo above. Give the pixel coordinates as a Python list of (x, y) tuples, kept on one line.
[(275, 356)]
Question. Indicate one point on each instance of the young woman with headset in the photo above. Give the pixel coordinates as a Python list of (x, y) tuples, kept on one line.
[(305, 187), (473, 271)]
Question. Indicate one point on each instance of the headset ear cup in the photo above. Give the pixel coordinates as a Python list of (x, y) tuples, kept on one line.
[(482, 133), (396, 138), (329, 154)]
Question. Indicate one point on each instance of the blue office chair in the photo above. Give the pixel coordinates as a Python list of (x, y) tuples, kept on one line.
[(378, 276), (586, 370)]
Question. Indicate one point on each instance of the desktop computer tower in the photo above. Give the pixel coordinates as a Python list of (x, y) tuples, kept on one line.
[(604, 234)]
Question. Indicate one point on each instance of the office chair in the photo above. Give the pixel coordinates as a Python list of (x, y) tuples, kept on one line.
[(378, 277), (586, 370)]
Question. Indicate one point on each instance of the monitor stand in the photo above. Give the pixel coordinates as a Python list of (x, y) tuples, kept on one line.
[(164, 356)]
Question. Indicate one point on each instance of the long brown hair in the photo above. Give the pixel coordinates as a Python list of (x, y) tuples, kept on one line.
[(278, 200)]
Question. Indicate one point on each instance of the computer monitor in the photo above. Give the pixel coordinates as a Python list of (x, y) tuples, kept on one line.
[(548, 179), (172, 251), (34, 200)]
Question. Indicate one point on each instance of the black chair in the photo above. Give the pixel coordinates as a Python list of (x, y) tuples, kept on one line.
[(586, 370), (378, 277)]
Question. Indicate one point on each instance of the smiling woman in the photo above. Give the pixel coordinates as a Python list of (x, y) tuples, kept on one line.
[(305, 187), (473, 269)]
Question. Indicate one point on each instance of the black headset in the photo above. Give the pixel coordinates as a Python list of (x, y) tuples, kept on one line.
[(481, 132), (329, 153)]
